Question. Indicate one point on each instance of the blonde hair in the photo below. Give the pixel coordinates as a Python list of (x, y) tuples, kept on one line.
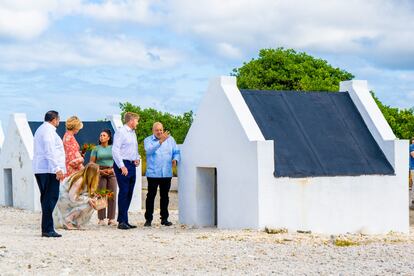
[(90, 178), (129, 116), (73, 123)]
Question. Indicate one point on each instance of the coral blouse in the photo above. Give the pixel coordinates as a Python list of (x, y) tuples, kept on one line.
[(74, 160)]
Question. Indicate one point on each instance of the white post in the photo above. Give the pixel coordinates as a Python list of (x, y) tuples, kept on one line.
[(372, 116)]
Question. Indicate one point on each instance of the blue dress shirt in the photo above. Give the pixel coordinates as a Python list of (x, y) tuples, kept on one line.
[(160, 156)]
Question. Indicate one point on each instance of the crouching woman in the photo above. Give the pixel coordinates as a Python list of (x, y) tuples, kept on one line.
[(76, 203)]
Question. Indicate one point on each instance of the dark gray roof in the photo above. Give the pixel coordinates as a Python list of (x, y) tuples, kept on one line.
[(89, 134), (316, 134)]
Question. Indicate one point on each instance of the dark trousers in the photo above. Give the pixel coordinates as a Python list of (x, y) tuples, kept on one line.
[(49, 194), (164, 183), (126, 188)]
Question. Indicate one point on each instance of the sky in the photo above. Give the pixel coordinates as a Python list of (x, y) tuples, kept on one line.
[(85, 57)]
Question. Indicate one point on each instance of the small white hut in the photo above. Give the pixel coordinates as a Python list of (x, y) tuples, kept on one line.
[(312, 161), (18, 186)]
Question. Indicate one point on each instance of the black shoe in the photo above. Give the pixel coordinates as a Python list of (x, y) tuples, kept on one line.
[(123, 226), (166, 223), (52, 234), (147, 223), (131, 226)]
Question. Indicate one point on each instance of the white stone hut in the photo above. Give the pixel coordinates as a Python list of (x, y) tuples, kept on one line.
[(312, 161)]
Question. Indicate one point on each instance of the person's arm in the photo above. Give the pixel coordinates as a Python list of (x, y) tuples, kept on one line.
[(94, 155), (412, 154), (74, 192), (116, 149), (175, 151), (151, 146), (72, 154)]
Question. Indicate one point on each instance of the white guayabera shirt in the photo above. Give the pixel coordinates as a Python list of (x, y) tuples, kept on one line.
[(49, 154)]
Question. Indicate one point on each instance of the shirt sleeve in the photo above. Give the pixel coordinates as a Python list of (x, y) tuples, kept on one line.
[(116, 149), (94, 153), (50, 151), (151, 145), (175, 151)]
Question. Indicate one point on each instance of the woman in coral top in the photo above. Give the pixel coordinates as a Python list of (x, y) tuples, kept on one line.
[(74, 159)]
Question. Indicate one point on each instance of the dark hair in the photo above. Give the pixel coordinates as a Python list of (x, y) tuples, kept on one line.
[(107, 131), (411, 140), (51, 115)]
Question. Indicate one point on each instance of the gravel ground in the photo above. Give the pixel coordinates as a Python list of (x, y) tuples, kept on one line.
[(179, 250)]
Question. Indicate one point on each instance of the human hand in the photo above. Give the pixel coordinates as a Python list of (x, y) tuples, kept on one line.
[(92, 202), (124, 171), (59, 175), (136, 162), (174, 163), (103, 172), (164, 136)]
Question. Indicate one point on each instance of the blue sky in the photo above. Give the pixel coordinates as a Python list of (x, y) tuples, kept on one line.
[(85, 57)]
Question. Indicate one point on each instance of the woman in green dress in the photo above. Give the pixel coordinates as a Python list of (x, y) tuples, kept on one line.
[(102, 155)]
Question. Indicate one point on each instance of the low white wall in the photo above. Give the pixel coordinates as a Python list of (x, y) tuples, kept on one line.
[(369, 204)]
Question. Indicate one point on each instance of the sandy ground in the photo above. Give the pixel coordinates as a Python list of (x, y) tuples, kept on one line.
[(180, 250)]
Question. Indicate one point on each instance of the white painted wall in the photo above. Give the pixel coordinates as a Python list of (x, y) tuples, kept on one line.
[(136, 202), (221, 137), (249, 196), (17, 155), (369, 204)]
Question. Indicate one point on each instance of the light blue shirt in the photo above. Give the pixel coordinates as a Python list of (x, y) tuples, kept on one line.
[(125, 146), (160, 156)]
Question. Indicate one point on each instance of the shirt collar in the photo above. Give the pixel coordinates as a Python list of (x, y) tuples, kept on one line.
[(154, 137), (49, 125), (128, 128)]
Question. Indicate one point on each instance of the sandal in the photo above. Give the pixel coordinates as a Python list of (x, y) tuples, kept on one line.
[(112, 222), (101, 222)]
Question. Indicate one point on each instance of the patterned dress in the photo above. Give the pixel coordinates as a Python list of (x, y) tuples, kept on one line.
[(72, 205), (74, 160)]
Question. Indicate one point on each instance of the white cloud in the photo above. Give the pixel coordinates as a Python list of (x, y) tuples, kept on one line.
[(87, 50), (382, 30), (25, 20), (21, 23), (140, 11)]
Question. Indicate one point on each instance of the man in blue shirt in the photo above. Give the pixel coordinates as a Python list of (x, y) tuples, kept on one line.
[(162, 155)]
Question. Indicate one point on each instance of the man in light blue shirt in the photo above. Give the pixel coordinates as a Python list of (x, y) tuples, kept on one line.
[(162, 155), (126, 157)]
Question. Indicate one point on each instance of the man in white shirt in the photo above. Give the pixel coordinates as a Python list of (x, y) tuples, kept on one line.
[(49, 168), (126, 157)]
